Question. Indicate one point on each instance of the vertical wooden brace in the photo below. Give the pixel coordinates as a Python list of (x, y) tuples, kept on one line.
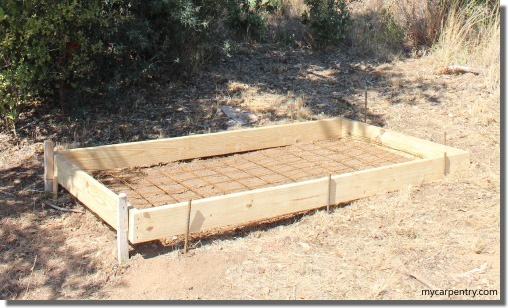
[(445, 164), (122, 229), (329, 193), (55, 182), (49, 164)]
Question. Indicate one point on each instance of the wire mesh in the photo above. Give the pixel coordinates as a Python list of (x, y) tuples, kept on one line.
[(202, 178)]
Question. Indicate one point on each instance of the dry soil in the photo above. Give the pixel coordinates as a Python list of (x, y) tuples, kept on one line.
[(443, 235)]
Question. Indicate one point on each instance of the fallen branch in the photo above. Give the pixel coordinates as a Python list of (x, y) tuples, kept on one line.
[(61, 208), (460, 69)]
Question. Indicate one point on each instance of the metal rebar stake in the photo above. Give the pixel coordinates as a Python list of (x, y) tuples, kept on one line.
[(365, 109), (186, 245)]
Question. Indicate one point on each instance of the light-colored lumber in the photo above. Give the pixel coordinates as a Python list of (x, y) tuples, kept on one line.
[(153, 152), (365, 183), (244, 207), (146, 153), (49, 147), (55, 182), (122, 229), (89, 191), (55, 187), (456, 158), (329, 201)]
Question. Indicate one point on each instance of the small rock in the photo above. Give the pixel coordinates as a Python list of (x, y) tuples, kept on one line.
[(305, 246), (266, 290)]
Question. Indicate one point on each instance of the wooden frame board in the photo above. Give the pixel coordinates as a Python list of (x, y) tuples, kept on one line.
[(70, 169)]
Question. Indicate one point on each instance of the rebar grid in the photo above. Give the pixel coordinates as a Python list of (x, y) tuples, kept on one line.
[(202, 178)]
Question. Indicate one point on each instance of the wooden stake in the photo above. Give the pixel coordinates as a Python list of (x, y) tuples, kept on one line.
[(122, 228), (186, 245), (365, 110), (444, 142), (49, 147), (329, 193), (55, 182), (444, 171)]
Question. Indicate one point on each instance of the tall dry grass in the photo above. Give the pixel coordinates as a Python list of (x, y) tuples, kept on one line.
[(471, 36), (455, 31), (422, 20), (385, 28)]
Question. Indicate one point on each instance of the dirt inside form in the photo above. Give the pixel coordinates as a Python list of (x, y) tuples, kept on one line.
[(203, 178)]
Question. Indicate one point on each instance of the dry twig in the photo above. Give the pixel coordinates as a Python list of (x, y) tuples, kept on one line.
[(426, 283), (61, 208), (460, 69), (30, 277)]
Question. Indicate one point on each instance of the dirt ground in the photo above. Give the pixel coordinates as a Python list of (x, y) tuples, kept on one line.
[(443, 235)]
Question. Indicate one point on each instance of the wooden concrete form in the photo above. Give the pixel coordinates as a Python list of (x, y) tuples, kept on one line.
[(433, 163)]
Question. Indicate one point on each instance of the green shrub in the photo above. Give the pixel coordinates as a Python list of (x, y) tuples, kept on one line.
[(71, 50), (44, 45), (245, 19), (328, 21)]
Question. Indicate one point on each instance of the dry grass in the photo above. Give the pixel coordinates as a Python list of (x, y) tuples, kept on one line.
[(375, 31), (471, 36), (445, 233), (421, 19), (386, 28), (284, 25)]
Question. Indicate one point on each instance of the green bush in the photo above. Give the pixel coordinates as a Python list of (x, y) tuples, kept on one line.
[(328, 21), (245, 20), (70, 50), (44, 45)]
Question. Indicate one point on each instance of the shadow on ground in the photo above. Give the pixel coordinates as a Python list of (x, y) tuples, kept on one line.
[(40, 250), (38, 257)]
